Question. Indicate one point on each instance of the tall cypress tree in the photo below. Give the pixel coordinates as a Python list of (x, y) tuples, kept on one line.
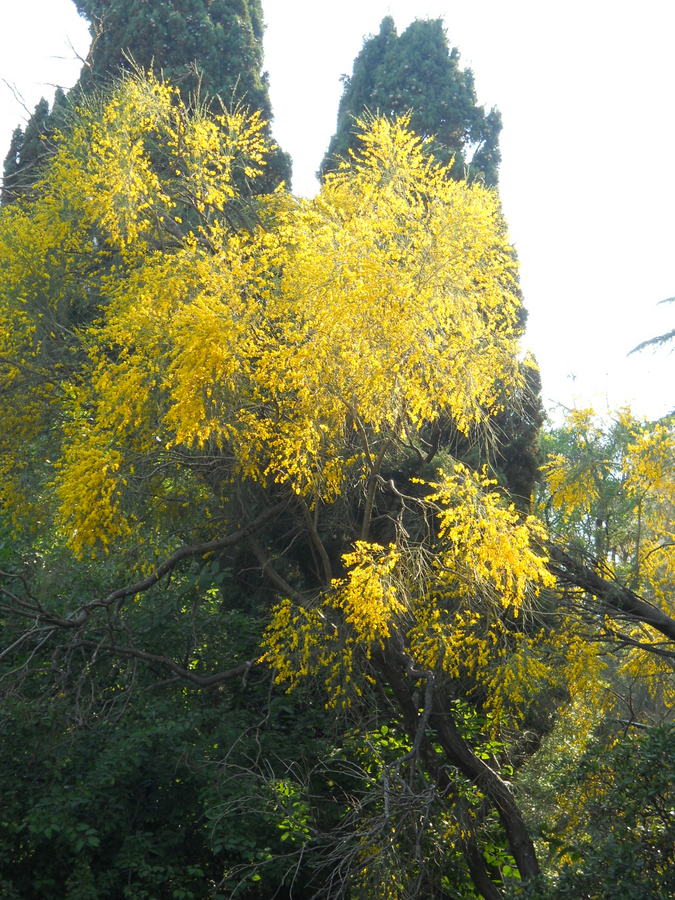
[(417, 73), (210, 50), (214, 47), (12, 167), (26, 150)]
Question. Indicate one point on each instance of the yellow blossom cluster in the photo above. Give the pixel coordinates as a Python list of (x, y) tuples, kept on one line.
[(368, 596), (487, 547), (448, 613), (297, 348), (575, 478)]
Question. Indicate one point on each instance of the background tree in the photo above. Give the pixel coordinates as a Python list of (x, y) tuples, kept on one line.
[(599, 791), (628, 796), (211, 51), (30, 147), (417, 73), (609, 490), (604, 813)]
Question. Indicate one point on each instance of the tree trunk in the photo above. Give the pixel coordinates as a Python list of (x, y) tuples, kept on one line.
[(461, 755), (458, 753)]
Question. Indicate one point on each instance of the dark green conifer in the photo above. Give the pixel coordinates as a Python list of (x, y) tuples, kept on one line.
[(12, 167), (211, 49), (417, 73), (27, 149)]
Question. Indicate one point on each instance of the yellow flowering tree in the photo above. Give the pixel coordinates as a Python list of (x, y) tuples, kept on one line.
[(275, 385), (609, 494), (607, 499)]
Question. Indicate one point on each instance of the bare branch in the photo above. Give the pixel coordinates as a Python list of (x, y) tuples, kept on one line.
[(317, 543), (270, 572), (203, 681), (169, 564), (16, 93), (79, 616)]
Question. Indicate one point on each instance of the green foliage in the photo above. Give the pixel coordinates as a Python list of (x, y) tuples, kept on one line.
[(30, 148), (631, 828), (417, 73), (622, 840), (12, 165), (590, 501), (211, 48), (120, 783), (609, 489)]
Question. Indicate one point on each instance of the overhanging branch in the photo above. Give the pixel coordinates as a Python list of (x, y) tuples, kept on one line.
[(617, 599), (191, 550), (39, 614)]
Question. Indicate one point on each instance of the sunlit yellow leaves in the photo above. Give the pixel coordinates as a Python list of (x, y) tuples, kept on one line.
[(486, 545), (650, 462), (649, 468), (89, 492), (572, 487), (575, 477), (617, 483), (210, 156), (451, 612), (652, 672), (300, 642), (519, 672), (302, 351), (368, 596), (397, 303), (296, 644), (614, 484), (304, 346), (140, 166), (409, 276)]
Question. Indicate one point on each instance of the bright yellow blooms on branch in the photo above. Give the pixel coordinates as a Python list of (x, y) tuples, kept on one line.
[(178, 353), (371, 309), (165, 335), (174, 336)]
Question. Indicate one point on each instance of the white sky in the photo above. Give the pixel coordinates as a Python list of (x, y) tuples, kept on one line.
[(586, 89)]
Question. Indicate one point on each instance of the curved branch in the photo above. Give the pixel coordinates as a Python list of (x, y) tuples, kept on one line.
[(191, 550), (203, 681), (271, 573), (459, 752), (80, 615), (317, 543), (394, 665)]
